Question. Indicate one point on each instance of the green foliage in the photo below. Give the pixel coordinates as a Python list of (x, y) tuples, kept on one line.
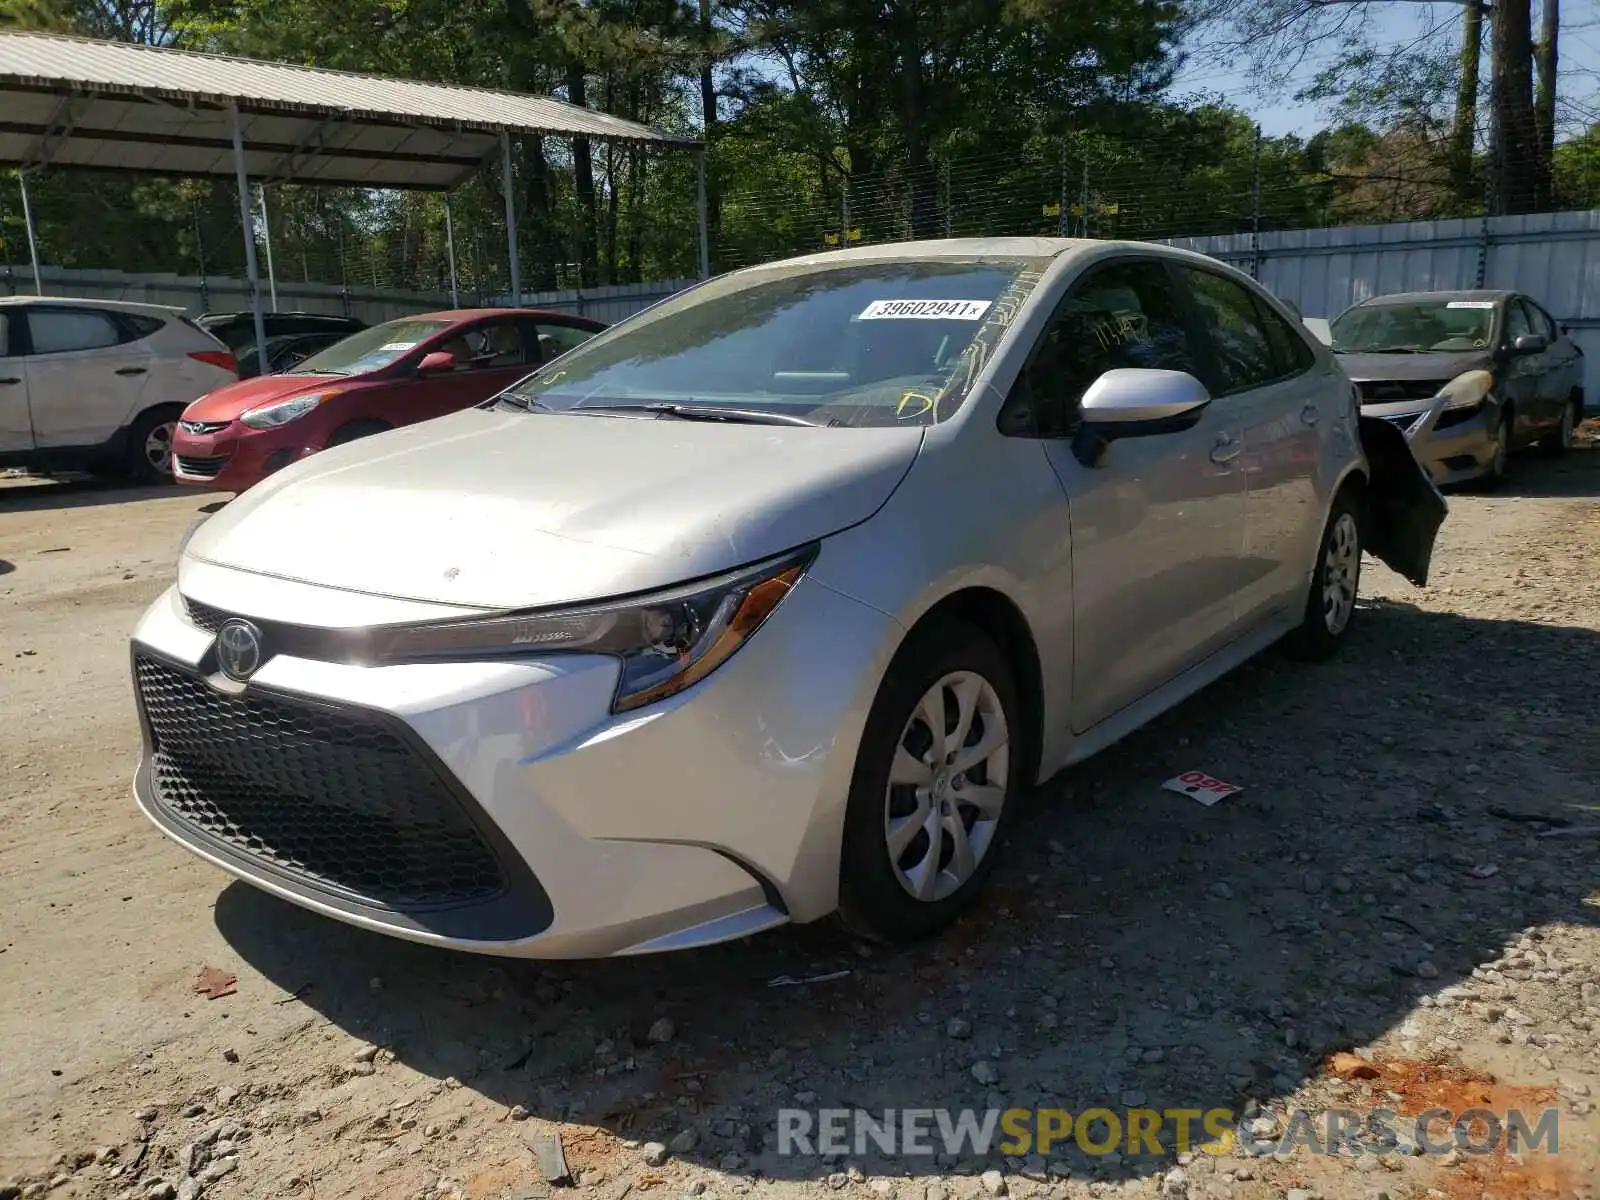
[(835, 120)]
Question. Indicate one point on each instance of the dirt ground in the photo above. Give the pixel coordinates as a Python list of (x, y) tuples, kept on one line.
[(1136, 950)]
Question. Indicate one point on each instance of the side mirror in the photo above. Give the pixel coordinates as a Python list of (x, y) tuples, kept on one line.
[(1529, 343), (1129, 402), (437, 363)]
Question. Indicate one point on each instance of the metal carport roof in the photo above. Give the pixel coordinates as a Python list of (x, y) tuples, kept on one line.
[(76, 102), (69, 102)]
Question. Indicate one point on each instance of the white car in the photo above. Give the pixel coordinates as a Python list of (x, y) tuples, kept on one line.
[(767, 602), (99, 385)]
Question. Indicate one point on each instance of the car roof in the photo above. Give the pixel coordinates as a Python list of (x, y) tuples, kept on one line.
[(275, 313), (1479, 294), (990, 247), (457, 315), (133, 306)]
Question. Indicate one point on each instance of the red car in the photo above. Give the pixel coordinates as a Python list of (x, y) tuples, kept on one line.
[(393, 374)]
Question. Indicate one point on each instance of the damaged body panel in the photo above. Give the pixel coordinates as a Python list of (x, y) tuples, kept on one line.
[(1404, 507)]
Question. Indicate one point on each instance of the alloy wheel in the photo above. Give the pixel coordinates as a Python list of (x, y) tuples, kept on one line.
[(1341, 573), (158, 447), (947, 786)]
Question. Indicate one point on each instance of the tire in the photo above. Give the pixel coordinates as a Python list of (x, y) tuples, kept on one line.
[(355, 430), (148, 458), (877, 897), (1335, 584), (1500, 465), (1556, 444)]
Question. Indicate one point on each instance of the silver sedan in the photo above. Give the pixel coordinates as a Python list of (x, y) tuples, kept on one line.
[(767, 603)]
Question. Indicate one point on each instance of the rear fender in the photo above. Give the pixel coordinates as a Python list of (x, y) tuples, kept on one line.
[(1404, 507)]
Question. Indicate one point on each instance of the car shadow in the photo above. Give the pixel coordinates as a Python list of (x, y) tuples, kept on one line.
[(7, 567), (1575, 475), (1134, 949), (35, 494)]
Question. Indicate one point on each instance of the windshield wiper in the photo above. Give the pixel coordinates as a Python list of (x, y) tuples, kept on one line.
[(703, 412), (1393, 350), (318, 371), (519, 402)]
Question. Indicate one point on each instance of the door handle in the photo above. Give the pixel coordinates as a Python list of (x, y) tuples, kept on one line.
[(1310, 415), (9, 382), (1226, 449), (130, 370)]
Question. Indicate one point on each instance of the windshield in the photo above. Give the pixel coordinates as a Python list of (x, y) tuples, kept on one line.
[(856, 344), (371, 349), (1415, 326)]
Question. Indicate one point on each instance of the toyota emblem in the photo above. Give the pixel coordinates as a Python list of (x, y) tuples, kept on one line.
[(238, 649)]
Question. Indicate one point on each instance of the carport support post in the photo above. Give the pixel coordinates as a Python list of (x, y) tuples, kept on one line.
[(507, 184), (266, 233), (247, 228), (700, 205), (33, 245), (450, 252)]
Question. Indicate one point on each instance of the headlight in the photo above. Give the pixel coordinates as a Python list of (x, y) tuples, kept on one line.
[(667, 642), (270, 416), (1467, 390)]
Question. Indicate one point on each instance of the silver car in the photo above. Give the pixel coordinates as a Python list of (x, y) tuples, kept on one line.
[(766, 604), (1508, 374)]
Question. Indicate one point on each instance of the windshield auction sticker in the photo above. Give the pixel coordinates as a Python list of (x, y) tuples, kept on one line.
[(925, 310), (1470, 304)]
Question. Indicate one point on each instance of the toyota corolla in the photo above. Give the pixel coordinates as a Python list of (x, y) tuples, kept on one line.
[(766, 604)]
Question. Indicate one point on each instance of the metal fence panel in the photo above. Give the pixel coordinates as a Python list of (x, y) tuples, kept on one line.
[(1553, 257)]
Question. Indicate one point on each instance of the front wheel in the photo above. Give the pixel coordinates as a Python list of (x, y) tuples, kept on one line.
[(936, 780), (1331, 604), (356, 430), (149, 455), (1558, 442)]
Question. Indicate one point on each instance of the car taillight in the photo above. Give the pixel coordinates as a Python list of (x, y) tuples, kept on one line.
[(217, 358)]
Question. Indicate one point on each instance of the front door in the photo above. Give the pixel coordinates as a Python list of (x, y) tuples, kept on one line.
[(85, 379), (490, 356), (1157, 526), (1523, 377), (16, 430), (1260, 370)]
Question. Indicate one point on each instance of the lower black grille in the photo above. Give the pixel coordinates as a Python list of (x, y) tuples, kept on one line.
[(331, 796), (201, 468)]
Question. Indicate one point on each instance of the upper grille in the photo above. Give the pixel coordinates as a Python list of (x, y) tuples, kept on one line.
[(331, 796), (201, 468), (1390, 391), (203, 615), (199, 427)]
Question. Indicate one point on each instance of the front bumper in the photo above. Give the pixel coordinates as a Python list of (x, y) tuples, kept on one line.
[(1458, 449), (709, 816), (237, 457)]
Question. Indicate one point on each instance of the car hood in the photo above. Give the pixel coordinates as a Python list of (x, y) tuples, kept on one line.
[(499, 510), (230, 402), (1364, 368)]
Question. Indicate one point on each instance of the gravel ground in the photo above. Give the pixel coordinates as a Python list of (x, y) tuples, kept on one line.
[(1136, 949)]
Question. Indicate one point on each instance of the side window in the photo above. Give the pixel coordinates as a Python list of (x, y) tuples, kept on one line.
[(1232, 323), (1290, 354), (556, 340), (1122, 314), (494, 344), (136, 326), (1516, 322), (62, 330), (1539, 321)]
